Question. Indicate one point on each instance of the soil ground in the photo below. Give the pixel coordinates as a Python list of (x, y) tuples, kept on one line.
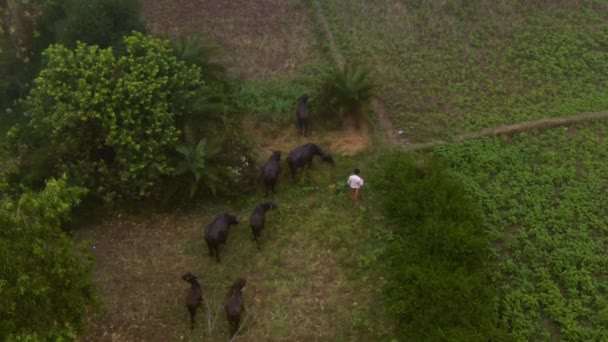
[(261, 38)]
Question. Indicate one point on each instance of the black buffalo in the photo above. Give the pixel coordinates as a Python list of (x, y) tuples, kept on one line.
[(234, 306), (302, 156), (303, 114), (271, 171), (216, 233), (257, 219), (194, 297)]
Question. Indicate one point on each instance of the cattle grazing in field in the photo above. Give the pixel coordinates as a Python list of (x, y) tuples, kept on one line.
[(258, 218), (303, 155), (194, 297), (303, 115), (234, 306), (271, 171), (216, 233)]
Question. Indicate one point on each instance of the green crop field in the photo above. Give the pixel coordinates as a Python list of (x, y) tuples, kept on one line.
[(543, 196), (452, 67)]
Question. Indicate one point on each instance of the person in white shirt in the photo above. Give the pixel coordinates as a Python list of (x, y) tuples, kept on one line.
[(355, 182)]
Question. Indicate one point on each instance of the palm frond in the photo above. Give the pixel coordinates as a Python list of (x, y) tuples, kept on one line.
[(349, 90), (193, 49)]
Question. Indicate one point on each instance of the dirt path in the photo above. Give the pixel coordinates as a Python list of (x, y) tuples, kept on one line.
[(396, 139), (541, 124)]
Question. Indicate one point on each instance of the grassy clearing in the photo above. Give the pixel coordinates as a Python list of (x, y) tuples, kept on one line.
[(449, 68), (544, 201), (309, 282)]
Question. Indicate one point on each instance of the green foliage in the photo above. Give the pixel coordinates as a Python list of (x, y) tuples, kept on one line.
[(451, 67), (273, 101), (193, 49), (109, 122), (437, 266), (199, 162), (543, 198), (94, 22), (349, 91), (45, 282)]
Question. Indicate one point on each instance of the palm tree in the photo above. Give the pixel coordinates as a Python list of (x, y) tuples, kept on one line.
[(197, 162), (193, 49), (348, 91)]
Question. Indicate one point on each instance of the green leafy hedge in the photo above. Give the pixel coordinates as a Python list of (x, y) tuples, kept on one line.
[(109, 122), (437, 268), (45, 281)]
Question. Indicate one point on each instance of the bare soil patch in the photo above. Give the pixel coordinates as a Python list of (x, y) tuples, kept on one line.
[(261, 38)]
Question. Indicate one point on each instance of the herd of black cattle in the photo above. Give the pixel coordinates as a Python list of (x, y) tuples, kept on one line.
[(216, 232)]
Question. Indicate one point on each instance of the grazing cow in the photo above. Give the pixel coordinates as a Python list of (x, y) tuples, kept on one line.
[(216, 233), (234, 306), (303, 114), (194, 298), (257, 219), (271, 171), (302, 155)]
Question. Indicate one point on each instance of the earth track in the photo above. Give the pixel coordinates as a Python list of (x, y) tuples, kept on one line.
[(396, 139)]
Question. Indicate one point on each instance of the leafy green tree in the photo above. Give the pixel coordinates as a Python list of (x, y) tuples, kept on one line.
[(45, 280), (108, 121), (438, 285), (349, 91)]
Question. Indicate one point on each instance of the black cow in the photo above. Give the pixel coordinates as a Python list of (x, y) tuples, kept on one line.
[(257, 219), (271, 171), (194, 298), (234, 306), (303, 114), (216, 233), (302, 155)]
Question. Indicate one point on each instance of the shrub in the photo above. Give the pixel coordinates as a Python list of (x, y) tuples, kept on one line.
[(44, 280), (348, 91), (437, 266), (109, 122)]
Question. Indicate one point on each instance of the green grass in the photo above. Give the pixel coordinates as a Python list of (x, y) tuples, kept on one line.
[(544, 199), (271, 102), (448, 68), (313, 278)]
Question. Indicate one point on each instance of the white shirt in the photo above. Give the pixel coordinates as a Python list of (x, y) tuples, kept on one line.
[(355, 182)]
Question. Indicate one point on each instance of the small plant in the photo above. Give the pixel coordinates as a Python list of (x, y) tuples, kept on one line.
[(348, 91), (197, 163), (193, 49)]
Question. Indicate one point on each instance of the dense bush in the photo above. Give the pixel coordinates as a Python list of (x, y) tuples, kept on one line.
[(437, 267), (108, 121), (45, 282)]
